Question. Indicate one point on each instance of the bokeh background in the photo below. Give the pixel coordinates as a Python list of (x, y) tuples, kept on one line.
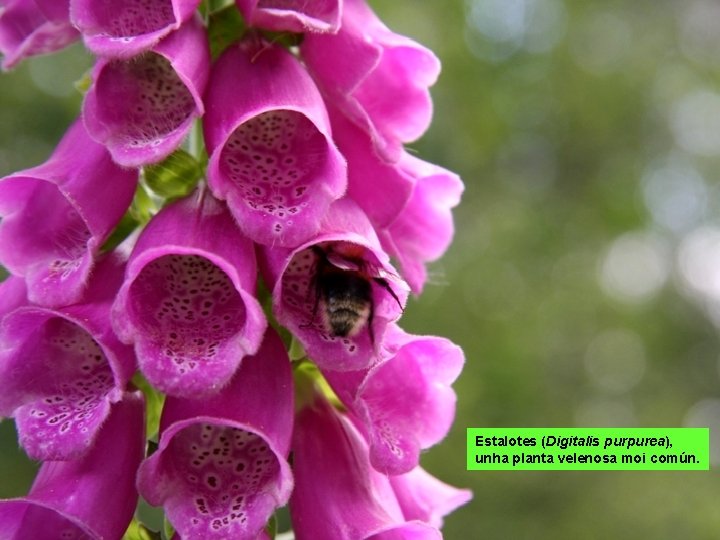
[(584, 280)]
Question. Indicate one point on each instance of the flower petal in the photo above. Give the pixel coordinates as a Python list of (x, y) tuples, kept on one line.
[(346, 246), (425, 498), (188, 300), (61, 369), (272, 155), (32, 27), (142, 108), (89, 498), (56, 216), (122, 29), (405, 402), (293, 15), (221, 470), (334, 480), (384, 89)]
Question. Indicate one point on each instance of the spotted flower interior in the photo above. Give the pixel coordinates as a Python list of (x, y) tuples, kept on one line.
[(215, 229)]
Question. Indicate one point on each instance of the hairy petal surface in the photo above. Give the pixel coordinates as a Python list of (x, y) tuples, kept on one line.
[(384, 89), (334, 480), (61, 369), (32, 27), (293, 15), (272, 156), (91, 498), (221, 469), (142, 108), (346, 243), (405, 402), (55, 217), (187, 303), (124, 28)]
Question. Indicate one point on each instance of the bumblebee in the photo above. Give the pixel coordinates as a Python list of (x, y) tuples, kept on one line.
[(344, 295)]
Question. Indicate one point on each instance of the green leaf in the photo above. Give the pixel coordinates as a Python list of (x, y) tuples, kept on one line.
[(142, 207), (126, 226), (138, 531), (224, 28), (271, 527), (154, 401), (175, 176)]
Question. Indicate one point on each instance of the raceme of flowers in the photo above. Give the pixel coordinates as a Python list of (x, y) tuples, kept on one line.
[(202, 306)]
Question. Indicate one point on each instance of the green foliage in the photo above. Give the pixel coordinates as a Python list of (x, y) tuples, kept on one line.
[(175, 176), (138, 531)]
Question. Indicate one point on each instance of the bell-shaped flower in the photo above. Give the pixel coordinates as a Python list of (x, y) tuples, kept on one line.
[(188, 301), (338, 291), (92, 497), (221, 470), (61, 369), (141, 108), (272, 156), (55, 217), (124, 28), (409, 202), (424, 229), (338, 495), (32, 27), (292, 16), (422, 496), (377, 78), (404, 403)]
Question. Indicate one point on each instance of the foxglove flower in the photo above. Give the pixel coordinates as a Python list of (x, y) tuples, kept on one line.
[(31, 27), (293, 15), (142, 108), (188, 301), (413, 218), (272, 155), (384, 88), (342, 264), (124, 28), (61, 369), (56, 216), (405, 402), (89, 498), (422, 232), (338, 496), (221, 470), (422, 496)]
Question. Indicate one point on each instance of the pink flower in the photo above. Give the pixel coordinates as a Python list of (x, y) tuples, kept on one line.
[(404, 403), (55, 217), (272, 156), (32, 27), (187, 303), (61, 369), (377, 78), (338, 495), (424, 497), (92, 497), (142, 108), (293, 15), (409, 202), (221, 469), (124, 28), (337, 292)]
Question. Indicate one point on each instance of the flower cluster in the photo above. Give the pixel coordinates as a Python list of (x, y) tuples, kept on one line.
[(211, 244)]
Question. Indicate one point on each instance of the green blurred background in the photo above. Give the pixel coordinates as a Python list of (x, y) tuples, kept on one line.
[(584, 280)]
